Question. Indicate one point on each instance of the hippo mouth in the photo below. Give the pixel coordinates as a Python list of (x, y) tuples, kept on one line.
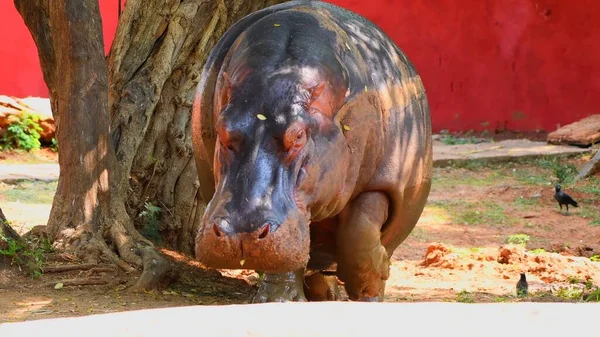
[(282, 250)]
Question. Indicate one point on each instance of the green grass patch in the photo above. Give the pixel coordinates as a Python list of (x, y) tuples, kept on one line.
[(484, 212), (518, 239), (473, 213), (523, 203), (450, 139), (532, 176), (591, 185), (444, 178), (28, 192), (590, 212)]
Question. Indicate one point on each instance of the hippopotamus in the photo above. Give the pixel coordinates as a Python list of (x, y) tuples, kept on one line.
[(312, 139)]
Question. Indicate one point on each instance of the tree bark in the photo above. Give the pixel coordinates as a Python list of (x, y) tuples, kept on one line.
[(123, 124), (154, 67)]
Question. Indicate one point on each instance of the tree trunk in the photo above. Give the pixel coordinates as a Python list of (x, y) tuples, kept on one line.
[(68, 35), (143, 177), (154, 67)]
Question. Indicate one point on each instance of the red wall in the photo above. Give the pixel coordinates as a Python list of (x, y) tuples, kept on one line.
[(20, 72), (519, 64)]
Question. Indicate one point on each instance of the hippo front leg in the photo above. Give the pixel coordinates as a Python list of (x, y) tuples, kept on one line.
[(363, 263), (284, 287)]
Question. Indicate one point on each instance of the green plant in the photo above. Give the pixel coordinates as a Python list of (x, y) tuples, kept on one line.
[(501, 299), (518, 239), (54, 145), (29, 254), (151, 229), (569, 293), (537, 251), (574, 280), (12, 247), (465, 297), (593, 296), (563, 173), (24, 134), (595, 258)]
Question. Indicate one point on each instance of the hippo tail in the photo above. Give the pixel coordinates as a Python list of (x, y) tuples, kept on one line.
[(203, 131)]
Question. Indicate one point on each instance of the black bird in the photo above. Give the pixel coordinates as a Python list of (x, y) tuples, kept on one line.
[(563, 198), (522, 286)]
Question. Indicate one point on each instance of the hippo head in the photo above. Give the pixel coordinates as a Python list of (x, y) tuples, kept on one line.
[(271, 170)]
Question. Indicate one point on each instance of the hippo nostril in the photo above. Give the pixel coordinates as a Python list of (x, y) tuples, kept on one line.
[(264, 232), (217, 231)]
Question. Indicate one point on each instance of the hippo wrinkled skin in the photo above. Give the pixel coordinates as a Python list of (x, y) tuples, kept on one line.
[(312, 139)]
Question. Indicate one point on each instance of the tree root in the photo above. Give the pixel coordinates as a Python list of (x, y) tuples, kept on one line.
[(158, 272), (133, 252), (102, 270), (69, 267), (92, 281), (91, 268)]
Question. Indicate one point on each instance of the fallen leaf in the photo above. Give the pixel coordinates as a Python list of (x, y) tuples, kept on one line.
[(261, 117), (346, 127), (242, 262), (58, 286), (276, 25)]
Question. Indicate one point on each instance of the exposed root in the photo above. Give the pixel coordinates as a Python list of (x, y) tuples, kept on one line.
[(91, 268), (68, 267), (102, 270), (133, 248), (125, 244), (92, 281), (158, 272)]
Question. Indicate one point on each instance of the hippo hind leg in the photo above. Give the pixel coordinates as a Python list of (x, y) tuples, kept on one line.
[(321, 287), (284, 287), (363, 262)]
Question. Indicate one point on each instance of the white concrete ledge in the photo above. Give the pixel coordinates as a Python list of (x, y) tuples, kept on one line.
[(327, 319)]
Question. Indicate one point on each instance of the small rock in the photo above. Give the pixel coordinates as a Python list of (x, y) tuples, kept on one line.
[(510, 254), (434, 254)]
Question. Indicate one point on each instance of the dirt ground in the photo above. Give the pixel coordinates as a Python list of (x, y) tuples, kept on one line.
[(482, 226)]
